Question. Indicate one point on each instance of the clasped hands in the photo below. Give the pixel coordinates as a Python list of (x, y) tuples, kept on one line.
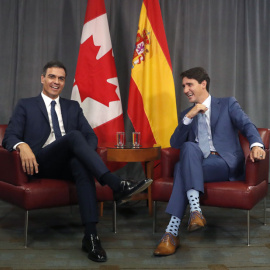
[(256, 153), (28, 159)]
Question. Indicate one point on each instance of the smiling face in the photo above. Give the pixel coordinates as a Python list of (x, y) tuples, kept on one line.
[(195, 91), (53, 82)]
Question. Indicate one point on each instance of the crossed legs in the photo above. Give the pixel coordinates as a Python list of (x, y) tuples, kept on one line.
[(189, 176), (73, 153)]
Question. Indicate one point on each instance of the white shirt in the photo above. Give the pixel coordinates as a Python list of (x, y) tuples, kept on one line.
[(47, 102), (207, 103), (187, 121)]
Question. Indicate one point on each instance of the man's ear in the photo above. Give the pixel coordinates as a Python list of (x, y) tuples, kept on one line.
[(204, 83), (42, 78)]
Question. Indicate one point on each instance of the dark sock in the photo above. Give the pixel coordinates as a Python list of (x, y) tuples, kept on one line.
[(90, 228), (112, 180)]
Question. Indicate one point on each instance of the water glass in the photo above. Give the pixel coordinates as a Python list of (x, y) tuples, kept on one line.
[(136, 139), (120, 139)]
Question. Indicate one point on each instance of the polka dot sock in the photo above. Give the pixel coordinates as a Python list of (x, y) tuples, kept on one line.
[(173, 226), (194, 202)]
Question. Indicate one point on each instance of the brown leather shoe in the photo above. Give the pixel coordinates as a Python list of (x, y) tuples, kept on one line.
[(167, 246), (196, 221)]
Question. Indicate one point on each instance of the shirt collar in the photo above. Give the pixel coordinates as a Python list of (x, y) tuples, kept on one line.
[(207, 102), (48, 100)]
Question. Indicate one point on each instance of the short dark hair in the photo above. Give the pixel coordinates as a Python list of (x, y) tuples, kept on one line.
[(198, 74), (53, 63)]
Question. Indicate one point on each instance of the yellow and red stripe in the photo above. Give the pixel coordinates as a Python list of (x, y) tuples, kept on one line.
[(152, 103)]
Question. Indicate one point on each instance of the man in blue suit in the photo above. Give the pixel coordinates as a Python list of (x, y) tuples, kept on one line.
[(55, 141), (207, 135)]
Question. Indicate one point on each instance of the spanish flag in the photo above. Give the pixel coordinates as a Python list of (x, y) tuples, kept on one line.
[(152, 103)]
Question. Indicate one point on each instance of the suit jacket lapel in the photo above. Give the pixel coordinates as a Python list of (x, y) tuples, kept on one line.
[(64, 110), (195, 126), (215, 110), (42, 107)]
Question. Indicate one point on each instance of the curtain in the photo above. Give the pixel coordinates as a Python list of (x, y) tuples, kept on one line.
[(229, 38)]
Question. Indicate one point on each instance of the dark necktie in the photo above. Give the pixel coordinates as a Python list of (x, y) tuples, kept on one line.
[(203, 135), (56, 128)]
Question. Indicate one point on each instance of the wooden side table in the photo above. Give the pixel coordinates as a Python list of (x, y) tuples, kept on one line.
[(143, 154)]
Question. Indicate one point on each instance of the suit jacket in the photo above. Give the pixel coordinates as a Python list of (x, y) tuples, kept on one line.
[(227, 118), (30, 123)]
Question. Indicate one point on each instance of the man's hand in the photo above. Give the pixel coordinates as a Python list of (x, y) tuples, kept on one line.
[(29, 162), (257, 153), (198, 108)]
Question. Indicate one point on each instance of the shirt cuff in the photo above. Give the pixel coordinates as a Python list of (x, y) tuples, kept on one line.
[(15, 146), (187, 121), (257, 144)]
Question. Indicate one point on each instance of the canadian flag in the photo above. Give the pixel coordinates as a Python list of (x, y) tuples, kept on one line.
[(96, 84)]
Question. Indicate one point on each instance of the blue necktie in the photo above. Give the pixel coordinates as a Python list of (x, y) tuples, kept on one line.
[(203, 135), (56, 128)]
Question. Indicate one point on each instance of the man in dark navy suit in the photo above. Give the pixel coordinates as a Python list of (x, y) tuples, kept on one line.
[(53, 138), (210, 151)]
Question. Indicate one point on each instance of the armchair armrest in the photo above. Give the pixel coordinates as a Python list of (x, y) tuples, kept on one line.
[(11, 168), (169, 157), (257, 172), (102, 151)]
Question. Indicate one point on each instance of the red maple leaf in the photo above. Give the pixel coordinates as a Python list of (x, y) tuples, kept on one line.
[(92, 74)]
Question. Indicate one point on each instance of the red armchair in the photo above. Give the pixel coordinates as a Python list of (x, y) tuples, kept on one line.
[(237, 194), (17, 189)]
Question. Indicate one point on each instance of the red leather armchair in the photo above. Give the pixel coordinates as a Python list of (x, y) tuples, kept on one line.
[(17, 189), (237, 194)]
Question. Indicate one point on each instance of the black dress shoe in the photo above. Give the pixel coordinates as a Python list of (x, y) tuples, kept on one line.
[(93, 247), (129, 188)]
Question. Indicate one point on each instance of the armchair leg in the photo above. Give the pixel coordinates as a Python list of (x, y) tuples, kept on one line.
[(154, 216), (264, 203), (25, 228), (248, 227), (114, 216), (101, 205)]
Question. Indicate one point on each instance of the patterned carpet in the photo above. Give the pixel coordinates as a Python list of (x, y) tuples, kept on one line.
[(55, 240)]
